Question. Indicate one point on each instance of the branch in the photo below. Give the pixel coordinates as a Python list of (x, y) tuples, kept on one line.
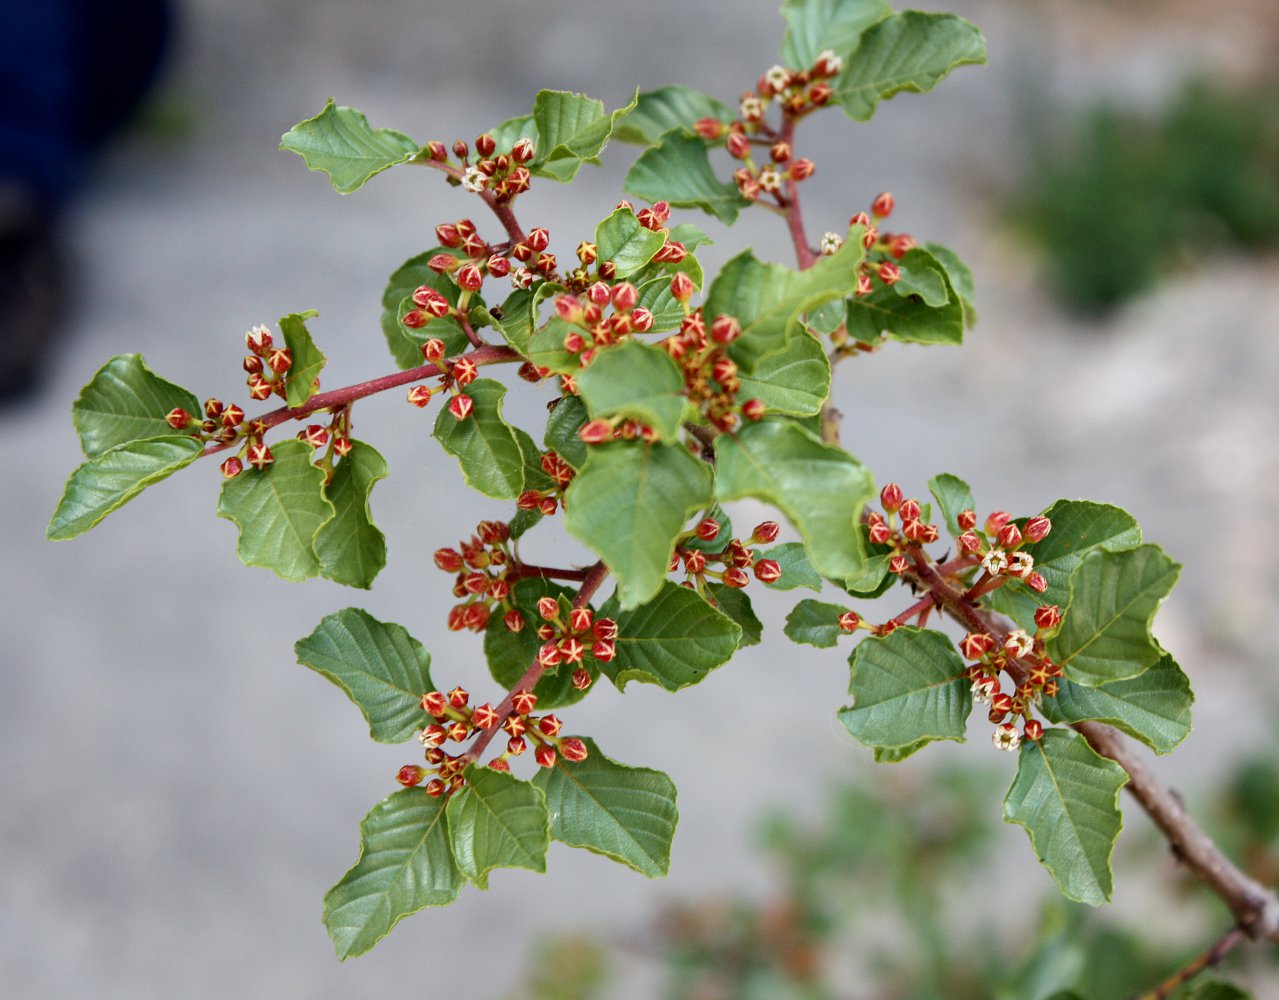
[(503, 211), (594, 577), (342, 397), (1256, 908), (794, 215), (1209, 958)]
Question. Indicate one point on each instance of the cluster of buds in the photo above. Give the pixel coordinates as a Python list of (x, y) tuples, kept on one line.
[(900, 526), (735, 557), (547, 501), (1023, 657), (266, 365), (504, 175), (884, 250), (999, 546), (599, 315), (455, 376), (571, 635), (466, 260), (481, 565), (604, 429), (453, 720), (711, 381), (768, 178)]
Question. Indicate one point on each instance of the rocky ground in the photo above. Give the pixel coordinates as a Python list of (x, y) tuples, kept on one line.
[(178, 794)]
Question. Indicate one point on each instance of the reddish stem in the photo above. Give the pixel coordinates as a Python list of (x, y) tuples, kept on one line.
[(1209, 958), (594, 576), (920, 607), (794, 215), (490, 355), (503, 211)]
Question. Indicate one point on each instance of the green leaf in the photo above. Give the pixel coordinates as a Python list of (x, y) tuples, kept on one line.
[(546, 347), (497, 821), (679, 171), (1153, 707), (907, 687), (815, 623), (907, 317), (621, 239), (405, 865), (895, 755), (562, 425), (793, 380), (1105, 629), (382, 669), (910, 51), (635, 380), (819, 487), (509, 654), (1078, 528), (112, 478), (923, 279), (673, 107), (406, 342), (961, 278), (813, 26), (655, 296), (571, 129), (127, 401), (767, 298), (279, 511), (1067, 798), (953, 496), (484, 443), (625, 813), (674, 640), (350, 547), (797, 571), (629, 503), (339, 142), (303, 375), (735, 603)]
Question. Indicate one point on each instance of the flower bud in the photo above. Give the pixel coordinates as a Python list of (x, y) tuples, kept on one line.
[(419, 395), (579, 619), (891, 498), (889, 273), (1037, 583), (410, 775), (1037, 528), (738, 146), (549, 655), (178, 418), (768, 571), (849, 621), (432, 736), (258, 340), (879, 534), (458, 731), (604, 650), (754, 409), (725, 329), (499, 764), (523, 150), (572, 649), (882, 206), (975, 645), (736, 577), (970, 541), (415, 319), (707, 529), (573, 749), (682, 287), (1009, 536), (1048, 616), (1033, 730), (709, 129), (581, 678), (259, 456), (516, 745), (596, 431), (548, 506), (523, 701), (545, 756), (232, 467), (461, 406), (538, 239)]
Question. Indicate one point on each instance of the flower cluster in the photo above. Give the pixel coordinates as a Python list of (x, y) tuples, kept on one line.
[(548, 500), (503, 175), (698, 559), (454, 721), (569, 635), (482, 565)]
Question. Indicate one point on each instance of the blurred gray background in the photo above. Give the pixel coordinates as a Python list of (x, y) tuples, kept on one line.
[(176, 794)]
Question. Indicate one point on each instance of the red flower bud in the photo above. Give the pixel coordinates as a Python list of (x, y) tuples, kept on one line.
[(178, 418), (966, 519), (882, 206), (572, 649), (889, 272), (458, 731), (458, 697), (435, 703), (538, 239), (485, 145), (433, 736), (516, 746), (498, 764), (1037, 583), (753, 409), (709, 129), (579, 619), (625, 297), (581, 678), (596, 431), (259, 456), (641, 320), (1009, 536), (738, 146), (975, 645), (1033, 730), (419, 395), (849, 621), (768, 571), (707, 529), (996, 521), (410, 775), (232, 467), (898, 564), (549, 608), (604, 650), (1037, 527), (523, 702), (549, 726), (725, 329), (969, 541), (549, 655), (891, 497), (802, 169), (547, 506), (513, 620), (435, 788), (910, 510), (736, 577), (415, 318), (573, 749), (545, 756), (879, 533), (461, 406), (523, 150), (682, 287), (442, 263), (1048, 616), (484, 717), (279, 360)]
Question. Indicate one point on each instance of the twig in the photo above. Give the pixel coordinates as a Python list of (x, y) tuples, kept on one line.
[(1209, 958)]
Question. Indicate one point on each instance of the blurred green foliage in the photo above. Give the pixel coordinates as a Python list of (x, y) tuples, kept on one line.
[(889, 898), (1120, 200)]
